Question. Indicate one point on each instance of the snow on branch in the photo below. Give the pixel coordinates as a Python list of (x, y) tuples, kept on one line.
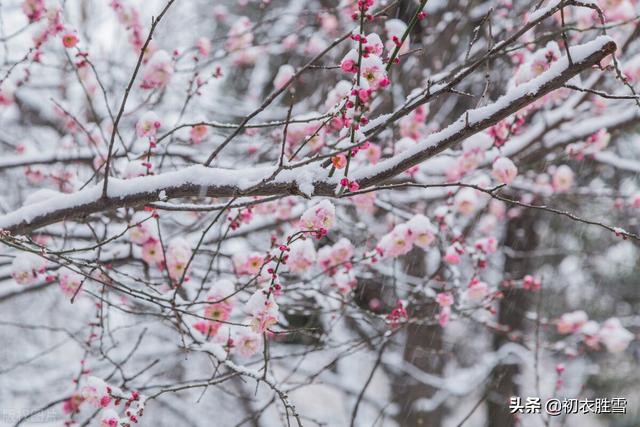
[(308, 180)]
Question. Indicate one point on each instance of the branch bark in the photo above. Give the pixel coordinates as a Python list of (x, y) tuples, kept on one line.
[(308, 180)]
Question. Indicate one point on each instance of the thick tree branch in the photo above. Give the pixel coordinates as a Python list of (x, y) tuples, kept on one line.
[(309, 180)]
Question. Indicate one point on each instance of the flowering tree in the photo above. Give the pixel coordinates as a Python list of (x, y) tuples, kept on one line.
[(292, 212)]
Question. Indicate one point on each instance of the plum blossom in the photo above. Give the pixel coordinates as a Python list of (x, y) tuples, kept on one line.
[(109, 418), (219, 308), (413, 125), (158, 71), (537, 63), (365, 202), (562, 179), (178, 256), (453, 253), (6, 95), (302, 255), (590, 336), (397, 315), (445, 301), (96, 392), (315, 44), (474, 151), (152, 252), (204, 46), (198, 133), (263, 309), (477, 291), (530, 283), (341, 251), (27, 268), (374, 44), (504, 171), (247, 343), (396, 243), (571, 322), (69, 40), (70, 282), (240, 35), (372, 152), (349, 63), (395, 28), (466, 201), (328, 22), (373, 71), (207, 328), (595, 143), (34, 9), (488, 245), (423, 231), (72, 405), (614, 336), (248, 264), (141, 228), (135, 168), (345, 281), (148, 125), (284, 75), (308, 132), (319, 217)]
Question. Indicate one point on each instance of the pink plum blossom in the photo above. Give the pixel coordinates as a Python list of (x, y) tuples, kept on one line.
[(158, 71), (423, 231), (152, 252), (453, 253), (247, 343), (562, 180), (148, 125), (27, 268), (96, 392), (249, 264), (614, 336), (398, 242), (571, 322), (504, 171), (320, 216), (477, 291), (263, 309), (198, 133), (70, 282), (302, 255), (284, 75), (466, 201), (178, 256)]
